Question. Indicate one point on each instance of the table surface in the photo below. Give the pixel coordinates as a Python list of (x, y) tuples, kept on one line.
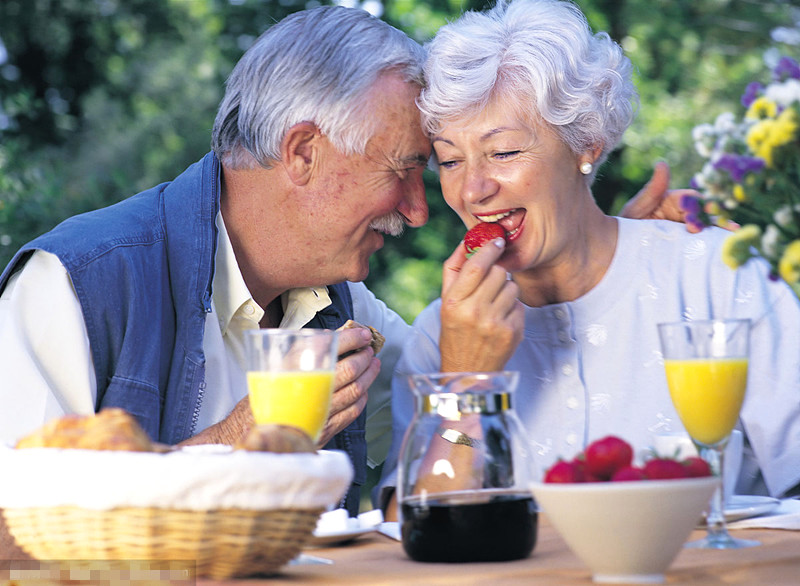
[(379, 560)]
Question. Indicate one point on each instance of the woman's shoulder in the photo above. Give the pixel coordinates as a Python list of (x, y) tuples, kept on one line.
[(430, 317), (664, 239), (669, 233)]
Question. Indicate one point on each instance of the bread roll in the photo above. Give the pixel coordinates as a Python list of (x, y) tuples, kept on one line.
[(377, 338), (110, 429), (280, 439)]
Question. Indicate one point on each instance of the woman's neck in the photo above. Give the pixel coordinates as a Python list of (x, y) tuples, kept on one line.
[(575, 271)]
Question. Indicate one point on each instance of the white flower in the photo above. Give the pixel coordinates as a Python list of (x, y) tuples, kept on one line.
[(771, 241), (702, 132), (783, 216), (699, 180), (784, 34), (725, 122), (784, 93), (704, 137), (703, 149)]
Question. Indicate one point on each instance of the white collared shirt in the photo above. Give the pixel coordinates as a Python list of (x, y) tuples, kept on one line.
[(47, 364)]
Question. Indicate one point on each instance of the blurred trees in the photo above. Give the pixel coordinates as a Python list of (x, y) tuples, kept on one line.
[(100, 99)]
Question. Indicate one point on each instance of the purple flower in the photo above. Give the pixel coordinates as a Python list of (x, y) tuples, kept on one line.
[(785, 69), (690, 204), (738, 165), (694, 221), (751, 92)]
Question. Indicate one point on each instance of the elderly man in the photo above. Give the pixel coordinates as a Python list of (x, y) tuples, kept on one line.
[(317, 153)]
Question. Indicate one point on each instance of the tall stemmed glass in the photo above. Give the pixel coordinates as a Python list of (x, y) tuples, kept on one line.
[(706, 366)]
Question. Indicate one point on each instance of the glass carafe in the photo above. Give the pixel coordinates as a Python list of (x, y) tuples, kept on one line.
[(464, 471)]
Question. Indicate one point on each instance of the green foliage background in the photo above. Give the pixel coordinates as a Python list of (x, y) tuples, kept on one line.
[(100, 99)]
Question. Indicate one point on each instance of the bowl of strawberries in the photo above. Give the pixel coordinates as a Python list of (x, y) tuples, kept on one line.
[(626, 521)]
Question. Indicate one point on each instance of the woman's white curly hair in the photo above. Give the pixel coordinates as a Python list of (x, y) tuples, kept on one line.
[(541, 58)]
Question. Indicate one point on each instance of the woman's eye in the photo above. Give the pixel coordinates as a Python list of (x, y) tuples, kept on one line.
[(447, 164), (506, 154)]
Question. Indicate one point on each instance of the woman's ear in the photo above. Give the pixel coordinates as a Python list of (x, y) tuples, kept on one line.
[(299, 150), (596, 151)]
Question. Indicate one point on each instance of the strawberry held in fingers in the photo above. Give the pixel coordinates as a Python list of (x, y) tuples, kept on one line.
[(482, 233)]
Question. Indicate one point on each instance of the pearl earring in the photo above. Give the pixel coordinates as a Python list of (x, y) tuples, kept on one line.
[(586, 167)]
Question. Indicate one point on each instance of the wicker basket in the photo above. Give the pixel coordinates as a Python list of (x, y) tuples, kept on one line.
[(223, 544), (232, 514)]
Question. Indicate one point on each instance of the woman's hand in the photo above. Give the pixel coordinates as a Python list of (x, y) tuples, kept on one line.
[(482, 319)]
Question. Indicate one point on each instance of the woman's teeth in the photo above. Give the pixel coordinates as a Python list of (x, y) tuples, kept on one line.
[(494, 217)]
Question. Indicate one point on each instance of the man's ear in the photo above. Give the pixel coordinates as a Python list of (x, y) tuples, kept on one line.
[(299, 150)]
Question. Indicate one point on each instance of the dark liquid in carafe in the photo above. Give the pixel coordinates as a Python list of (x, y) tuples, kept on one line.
[(469, 527)]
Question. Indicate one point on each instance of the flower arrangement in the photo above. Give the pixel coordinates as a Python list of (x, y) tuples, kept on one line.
[(750, 181)]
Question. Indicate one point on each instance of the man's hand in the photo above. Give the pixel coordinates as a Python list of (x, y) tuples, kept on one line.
[(228, 431), (354, 375), (656, 201), (482, 319)]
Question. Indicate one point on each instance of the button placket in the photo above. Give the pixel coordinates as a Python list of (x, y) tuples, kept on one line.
[(572, 394)]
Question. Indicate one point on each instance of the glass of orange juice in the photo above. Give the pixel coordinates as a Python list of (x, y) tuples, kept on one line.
[(290, 376), (706, 365)]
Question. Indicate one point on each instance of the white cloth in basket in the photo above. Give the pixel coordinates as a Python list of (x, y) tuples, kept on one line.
[(195, 478)]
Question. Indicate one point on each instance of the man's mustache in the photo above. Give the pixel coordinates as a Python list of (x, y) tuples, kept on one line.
[(392, 223)]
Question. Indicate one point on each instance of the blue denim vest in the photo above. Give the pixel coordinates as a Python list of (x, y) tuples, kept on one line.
[(142, 270)]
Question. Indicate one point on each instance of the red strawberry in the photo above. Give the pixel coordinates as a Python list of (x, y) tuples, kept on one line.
[(580, 463), (664, 469), (629, 473), (696, 467), (563, 471), (607, 455), (480, 234)]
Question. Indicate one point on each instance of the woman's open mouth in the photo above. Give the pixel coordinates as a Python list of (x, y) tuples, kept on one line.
[(510, 220)]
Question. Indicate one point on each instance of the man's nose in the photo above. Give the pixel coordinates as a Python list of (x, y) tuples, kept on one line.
[(414, 205)]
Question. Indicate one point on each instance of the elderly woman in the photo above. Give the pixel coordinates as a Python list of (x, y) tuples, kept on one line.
[(524, 104)]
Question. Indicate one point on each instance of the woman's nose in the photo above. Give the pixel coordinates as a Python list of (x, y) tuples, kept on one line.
[(478, 184)]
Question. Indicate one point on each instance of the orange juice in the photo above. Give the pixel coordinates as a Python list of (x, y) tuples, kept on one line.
[(301, 399), (708, 395)]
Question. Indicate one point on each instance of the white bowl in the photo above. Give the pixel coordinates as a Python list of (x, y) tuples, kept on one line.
[(626, 532)]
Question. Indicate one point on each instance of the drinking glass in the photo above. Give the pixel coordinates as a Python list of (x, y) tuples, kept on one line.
[(290, 376), (706, 367)]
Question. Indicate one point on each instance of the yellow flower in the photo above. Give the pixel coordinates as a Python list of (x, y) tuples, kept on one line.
[(765, 136), (789, 265), (738, 193), (761, 108), (736, 250)]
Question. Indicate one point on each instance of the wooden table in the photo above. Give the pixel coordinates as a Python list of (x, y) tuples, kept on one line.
[(378, 560)]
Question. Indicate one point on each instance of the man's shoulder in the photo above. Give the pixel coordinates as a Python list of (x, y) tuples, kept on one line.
[(137, 220)]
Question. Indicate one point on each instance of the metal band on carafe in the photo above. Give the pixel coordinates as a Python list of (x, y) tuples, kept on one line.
[(452, 405)]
